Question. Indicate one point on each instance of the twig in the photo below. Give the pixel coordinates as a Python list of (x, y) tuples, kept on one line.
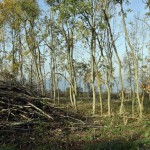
[(25, 117), (38, 109), (73, 119)]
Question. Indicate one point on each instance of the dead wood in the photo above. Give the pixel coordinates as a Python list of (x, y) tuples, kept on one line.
[(38, 109), (19, 107)]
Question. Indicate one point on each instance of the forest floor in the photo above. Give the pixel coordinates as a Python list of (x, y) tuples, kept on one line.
[(86, 133)]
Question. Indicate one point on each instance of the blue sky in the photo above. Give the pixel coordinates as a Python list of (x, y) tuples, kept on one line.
[(137, 7)]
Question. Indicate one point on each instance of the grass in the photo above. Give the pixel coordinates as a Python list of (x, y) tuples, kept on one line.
[(113, 134)]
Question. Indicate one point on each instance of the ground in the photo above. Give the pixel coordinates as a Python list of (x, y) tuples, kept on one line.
[(98, 133)]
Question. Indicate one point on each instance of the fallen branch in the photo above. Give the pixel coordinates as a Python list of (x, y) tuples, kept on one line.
[(18, 106), (38, 109), (73, 118)]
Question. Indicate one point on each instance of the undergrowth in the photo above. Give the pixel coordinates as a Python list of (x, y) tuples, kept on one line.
[(110, 133)]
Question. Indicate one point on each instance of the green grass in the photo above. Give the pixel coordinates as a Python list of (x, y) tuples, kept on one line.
[(112, 134)]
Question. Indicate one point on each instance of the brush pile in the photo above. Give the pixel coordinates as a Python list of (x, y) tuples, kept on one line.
[(20, 107), (25, 118)]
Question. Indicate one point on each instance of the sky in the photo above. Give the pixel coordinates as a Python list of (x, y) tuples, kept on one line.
[(137, 7)]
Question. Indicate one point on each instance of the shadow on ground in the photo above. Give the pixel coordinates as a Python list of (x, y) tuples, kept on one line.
[(78, 145)]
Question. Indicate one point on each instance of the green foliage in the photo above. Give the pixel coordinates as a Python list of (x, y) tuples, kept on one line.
[(147, 14), (102, 26), (70, 8), (9, 13), (31, 8), (147, 134), (113, 145), (129, 10), (53, 2), (114, 136), (127, 2), (8, 148), (147, 3)]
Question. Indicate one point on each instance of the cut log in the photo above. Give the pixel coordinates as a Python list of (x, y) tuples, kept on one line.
[(46, 115)]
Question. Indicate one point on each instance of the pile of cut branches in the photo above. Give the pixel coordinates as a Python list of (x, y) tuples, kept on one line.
[(20, 107)]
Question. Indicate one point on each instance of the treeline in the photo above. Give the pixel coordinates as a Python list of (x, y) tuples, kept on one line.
[(77, 40)]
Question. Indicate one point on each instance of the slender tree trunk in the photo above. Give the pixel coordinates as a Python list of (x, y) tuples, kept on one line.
[(106, 80), (100, 95), (98, 79), (69, 39), (92, 53), (71, 97), (108, 93), (32, 47), (22, 78), (31, 75), (13, 52), (53, 59), (92, 82), (135, 63), (2, 65), (41, 74), (119, 63), (93, 79)]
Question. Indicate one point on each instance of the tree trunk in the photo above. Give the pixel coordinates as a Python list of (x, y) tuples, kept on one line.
[(100, 95), (119, 63), (135, 61), (98, 79), (92, 55)]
